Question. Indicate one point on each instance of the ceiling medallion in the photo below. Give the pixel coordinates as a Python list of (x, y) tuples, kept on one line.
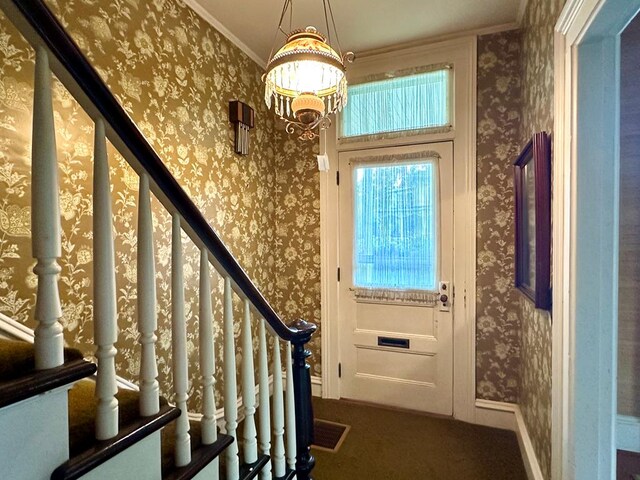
[(305, 79)]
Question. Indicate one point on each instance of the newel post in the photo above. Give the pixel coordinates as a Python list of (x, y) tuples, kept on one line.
[(303, 406)]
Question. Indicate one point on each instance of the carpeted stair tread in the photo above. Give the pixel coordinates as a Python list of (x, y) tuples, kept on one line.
[(17, 358), (82, 413), (201, 455)]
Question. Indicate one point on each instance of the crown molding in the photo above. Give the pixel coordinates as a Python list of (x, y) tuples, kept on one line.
[(215, 23), (504, 27)]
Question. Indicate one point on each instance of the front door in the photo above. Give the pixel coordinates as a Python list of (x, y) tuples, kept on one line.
[(396, 265)]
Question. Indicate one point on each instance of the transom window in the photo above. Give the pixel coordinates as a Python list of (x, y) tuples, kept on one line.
[(395, 226), (412, 102)]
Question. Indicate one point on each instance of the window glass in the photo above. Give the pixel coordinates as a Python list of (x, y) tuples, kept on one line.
[(395, 226), (397, 104)]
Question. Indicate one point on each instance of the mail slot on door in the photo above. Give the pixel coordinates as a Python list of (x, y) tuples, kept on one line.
[(393, 342)]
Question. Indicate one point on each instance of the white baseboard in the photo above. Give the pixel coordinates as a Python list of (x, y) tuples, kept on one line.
[(14, 330), (628, 433), (495, 414), (509, 416), (316, 390), (316, 386), (529, 457)]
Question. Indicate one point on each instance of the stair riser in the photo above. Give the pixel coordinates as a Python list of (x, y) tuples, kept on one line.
[(209, 472), (34, 436), (141, 461)]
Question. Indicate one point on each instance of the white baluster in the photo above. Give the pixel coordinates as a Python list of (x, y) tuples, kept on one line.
[(105, 325), (290, 425), (278, 414), (248, 389), (230, 385), (45, 220), (179, 346), (207, 356), (265, 410), (147, 307)]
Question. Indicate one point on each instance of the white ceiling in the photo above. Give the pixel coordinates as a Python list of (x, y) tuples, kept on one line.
[(362, 24)]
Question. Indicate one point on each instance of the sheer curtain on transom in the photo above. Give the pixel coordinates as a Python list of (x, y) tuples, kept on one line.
[(395, 234), (411, 102)]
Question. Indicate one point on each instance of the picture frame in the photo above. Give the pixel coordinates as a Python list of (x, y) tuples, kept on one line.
[(532, 186)]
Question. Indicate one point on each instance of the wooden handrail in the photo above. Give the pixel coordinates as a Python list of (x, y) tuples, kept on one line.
[(50, 33)]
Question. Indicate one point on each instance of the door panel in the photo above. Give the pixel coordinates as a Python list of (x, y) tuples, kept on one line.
[(396, 237), (373, 316)]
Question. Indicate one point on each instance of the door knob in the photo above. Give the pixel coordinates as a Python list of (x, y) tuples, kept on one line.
[(443, 290)]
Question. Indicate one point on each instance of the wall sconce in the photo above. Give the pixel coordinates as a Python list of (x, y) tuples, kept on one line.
[(242, 116)]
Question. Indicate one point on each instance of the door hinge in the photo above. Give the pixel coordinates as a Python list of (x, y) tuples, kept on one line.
[(339, 370), (338, 273), (337, 177)]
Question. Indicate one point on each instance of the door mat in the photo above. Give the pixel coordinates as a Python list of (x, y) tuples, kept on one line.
[(328, 436)]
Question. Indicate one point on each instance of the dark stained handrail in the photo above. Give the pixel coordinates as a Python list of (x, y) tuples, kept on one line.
[(54, 37)]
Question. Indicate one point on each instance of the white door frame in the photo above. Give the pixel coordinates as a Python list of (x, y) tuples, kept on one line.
[(461, 52), (585, 237)]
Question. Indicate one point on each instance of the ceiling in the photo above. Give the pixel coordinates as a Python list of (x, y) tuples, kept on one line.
[(362, 24)]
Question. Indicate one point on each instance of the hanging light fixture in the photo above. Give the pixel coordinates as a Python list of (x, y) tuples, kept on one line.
[(305, 79)]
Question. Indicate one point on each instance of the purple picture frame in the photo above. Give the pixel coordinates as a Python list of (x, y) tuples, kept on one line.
[(532, 185)]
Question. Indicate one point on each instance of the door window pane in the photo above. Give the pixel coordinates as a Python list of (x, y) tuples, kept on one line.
[(395, 226)]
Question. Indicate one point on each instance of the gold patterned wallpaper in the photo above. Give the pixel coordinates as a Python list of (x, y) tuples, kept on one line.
[(515, 100), (537, 115), (297, 237), (174, 74), (498, 325)]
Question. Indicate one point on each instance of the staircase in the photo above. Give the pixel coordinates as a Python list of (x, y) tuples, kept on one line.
[(62, 417)]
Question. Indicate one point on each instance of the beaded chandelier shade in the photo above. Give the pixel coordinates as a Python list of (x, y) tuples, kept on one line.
[(305, 79)]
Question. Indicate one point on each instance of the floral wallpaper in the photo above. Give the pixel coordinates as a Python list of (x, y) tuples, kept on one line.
[(174, 74), (297, 273), (515, 100), (537, 115), (535, 394), (498, 142)]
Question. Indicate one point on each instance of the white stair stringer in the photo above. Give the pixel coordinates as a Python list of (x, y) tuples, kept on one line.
[(14, 330)]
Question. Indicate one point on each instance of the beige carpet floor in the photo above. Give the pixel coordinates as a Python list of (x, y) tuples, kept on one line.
[(388, 444)]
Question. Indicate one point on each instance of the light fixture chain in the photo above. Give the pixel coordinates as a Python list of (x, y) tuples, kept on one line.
[(333, 22), (326, 21), (279, 28), (291, 17)]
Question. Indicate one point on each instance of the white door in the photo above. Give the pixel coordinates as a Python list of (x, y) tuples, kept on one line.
[(396, 265)]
